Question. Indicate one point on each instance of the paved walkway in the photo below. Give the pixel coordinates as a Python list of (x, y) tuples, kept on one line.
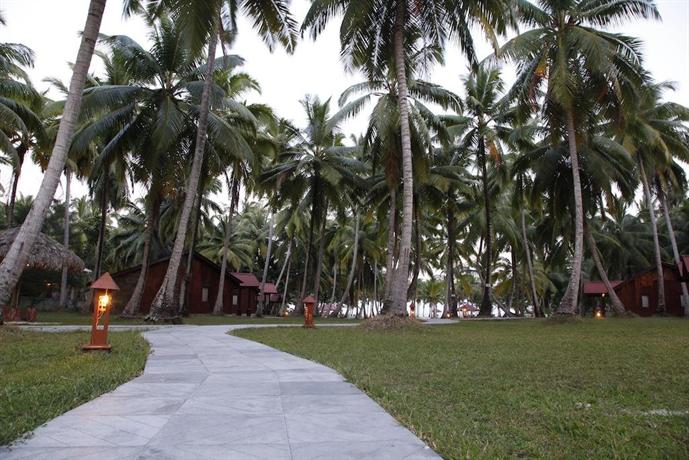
[(208, 395)]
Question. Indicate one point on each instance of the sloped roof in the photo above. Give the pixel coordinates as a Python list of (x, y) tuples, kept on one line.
[(598, 287), (246, 279), (45, 254), (269, 288)]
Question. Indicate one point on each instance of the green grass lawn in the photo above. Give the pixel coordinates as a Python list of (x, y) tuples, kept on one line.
[(519, 389), (72, 318), (43, 375)]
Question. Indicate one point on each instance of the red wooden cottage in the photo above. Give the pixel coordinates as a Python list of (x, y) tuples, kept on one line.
[(272, 296), (639, 294), (238, 298)]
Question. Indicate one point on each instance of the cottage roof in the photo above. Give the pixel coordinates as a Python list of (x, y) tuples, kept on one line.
[(246, 279), (269, 288), (45, 254), (598, 287)]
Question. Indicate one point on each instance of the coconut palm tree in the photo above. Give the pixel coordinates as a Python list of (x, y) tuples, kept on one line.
[(381, 31), (310, 175), (14, 262), (568, 52)]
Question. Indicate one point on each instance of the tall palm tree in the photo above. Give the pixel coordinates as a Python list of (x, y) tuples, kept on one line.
[(14, 262), (380, 31), (569, 53), (205, 22)]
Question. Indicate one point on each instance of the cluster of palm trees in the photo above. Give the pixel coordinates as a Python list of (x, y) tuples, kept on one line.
[(489, 194)]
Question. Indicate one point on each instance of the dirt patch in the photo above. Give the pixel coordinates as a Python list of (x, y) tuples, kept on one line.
[(390, 323)]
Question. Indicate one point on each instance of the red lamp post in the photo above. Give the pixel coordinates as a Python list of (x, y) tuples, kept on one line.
[(308, 312), (102, 302)]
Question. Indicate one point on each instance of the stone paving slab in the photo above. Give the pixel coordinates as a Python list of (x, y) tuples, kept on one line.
[(208, 395)]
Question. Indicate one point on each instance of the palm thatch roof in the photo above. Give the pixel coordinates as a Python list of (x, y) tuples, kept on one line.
[(46, 253)]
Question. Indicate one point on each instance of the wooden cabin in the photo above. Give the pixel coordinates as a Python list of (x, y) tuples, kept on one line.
[(639, 294), (272, 297), (238, 298), (245, 298)]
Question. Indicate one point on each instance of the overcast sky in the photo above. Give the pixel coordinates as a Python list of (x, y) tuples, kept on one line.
[(50, 28)]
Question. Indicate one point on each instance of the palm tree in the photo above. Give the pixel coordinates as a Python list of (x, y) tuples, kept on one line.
[(310, 173), (14, 262), (568, 52), (654, 132), (381, 31), (205, 21)]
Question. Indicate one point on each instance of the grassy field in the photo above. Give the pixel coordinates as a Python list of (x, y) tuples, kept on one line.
[(520, 389), (43, 375), (72, 318)]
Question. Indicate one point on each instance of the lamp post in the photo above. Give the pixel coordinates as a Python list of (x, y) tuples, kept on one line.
[(309, 301), (102, 303)]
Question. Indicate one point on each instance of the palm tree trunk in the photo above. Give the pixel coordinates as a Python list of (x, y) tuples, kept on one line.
[(284, 292), (218, 306), (319, 260), (332, 294), (352, 270), (21, 154), (451, 294), (182, 306), (134, 304), (374, 307), (399, 293), (299, 308), (261, 303), (532, 279), (101, 229), (615, 301), (486, 307), (14, 262), (570, 300), (65, 238), (673, 242), (164, 306), (390, 262), (656, 243), (411, 292), (284, 264)]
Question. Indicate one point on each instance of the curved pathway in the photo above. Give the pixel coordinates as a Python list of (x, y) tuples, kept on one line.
[(207, 395)]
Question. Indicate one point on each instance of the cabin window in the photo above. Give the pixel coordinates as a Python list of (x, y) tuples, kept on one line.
[(644, 301), (234, 299), (204, 294)]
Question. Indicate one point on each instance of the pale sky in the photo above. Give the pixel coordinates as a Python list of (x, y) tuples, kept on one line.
[(50, 28)]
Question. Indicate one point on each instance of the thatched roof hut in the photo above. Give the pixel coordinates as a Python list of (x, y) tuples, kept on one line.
[(46, 253)]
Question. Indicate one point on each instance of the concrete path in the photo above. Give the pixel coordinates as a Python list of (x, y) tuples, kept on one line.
[(208, 395)]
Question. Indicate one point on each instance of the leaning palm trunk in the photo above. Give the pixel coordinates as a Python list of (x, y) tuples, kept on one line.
[(352, 270), (21, 154), (451, 292), (14, 262), (615, 301), (284, 293), (234, 198), (570, 300), (675, 251), (101, 228), (486, 307), (401, 278), (134, 304), (183, 307), (261, 304), (65, 238), (529, 265), (164, 306), (282, 270), (332, 294), (656, 243)]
